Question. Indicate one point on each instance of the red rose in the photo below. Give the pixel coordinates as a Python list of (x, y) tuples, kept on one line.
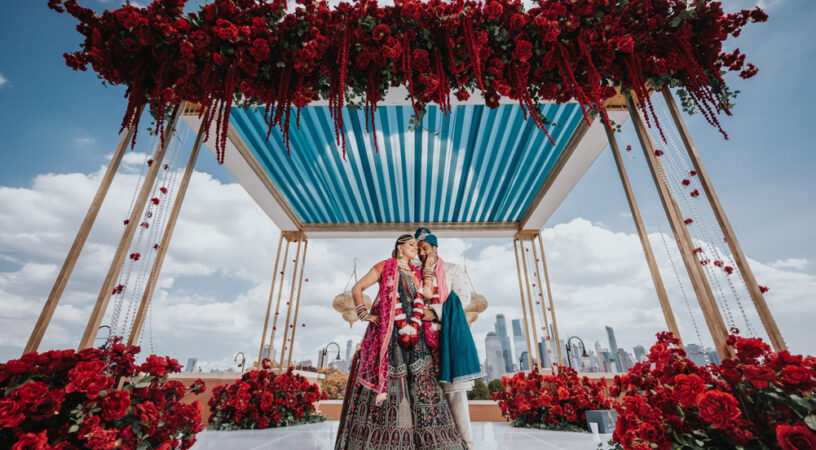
[(523, 51), (31, 441), (687, 388), (154, 365), (87, 377), (795, 437), (115, 405), (11, 414), (758, 376), (750, 348), (493, 10), (419, 60), (797, 377), (462, 95), (517, 22), (46, 406), (147, 412), (30, 392), (381, 31), (219, 60), (718, 408)]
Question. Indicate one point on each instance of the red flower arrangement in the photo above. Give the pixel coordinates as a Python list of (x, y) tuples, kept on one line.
[(261, 399), (758, 399), (135, 256), (695, 193), (688, 221), (763, 289), (64, 399), (557, 51), (557, 401)]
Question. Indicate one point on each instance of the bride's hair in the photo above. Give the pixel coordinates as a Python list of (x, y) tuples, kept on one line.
[(400, 240)]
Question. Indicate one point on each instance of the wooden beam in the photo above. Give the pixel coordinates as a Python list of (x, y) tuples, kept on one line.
[(530, 299), (280, 294), (127, 236), (662, 296), (530, 353), (699, 282), (153, 279), (556, 338), (722, 219), (289, 305), (297, 302), (269, 302), (76, 248)]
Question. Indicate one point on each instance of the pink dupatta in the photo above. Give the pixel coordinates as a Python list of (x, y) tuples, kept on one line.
[(373, 366)]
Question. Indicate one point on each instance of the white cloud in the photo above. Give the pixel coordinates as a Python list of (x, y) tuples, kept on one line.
[(214, 287), (790, 263), (3, 80)]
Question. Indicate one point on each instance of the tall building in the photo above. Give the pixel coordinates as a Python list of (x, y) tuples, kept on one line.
[(640, 353), (349, 350), (520, 345), (494, 357), (613, 347), (501, 332), (698, 355), (191, 365), (625, 360)]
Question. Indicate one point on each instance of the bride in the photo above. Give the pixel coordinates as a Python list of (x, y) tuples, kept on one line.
[(395, 400)]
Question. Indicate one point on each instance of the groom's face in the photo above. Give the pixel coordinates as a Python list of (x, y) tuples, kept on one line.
[(425, 250)]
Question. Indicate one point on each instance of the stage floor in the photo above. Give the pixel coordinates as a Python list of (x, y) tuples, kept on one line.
[(487, 435)]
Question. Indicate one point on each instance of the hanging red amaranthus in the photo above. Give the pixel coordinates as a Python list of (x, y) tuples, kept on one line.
[(253, 51)]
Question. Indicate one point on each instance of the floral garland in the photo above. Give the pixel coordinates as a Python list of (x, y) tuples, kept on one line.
[(408, 331), (253, 52)]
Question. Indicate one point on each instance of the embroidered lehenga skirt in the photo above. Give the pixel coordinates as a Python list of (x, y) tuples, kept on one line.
[(415, 414)]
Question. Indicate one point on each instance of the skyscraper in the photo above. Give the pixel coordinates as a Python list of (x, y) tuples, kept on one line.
[(520, 345), (494, 358), (640, 353), (613, 347), (349, 350), (501, 332)]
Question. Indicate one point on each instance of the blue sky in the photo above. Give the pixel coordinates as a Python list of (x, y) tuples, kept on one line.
[(60, 122)]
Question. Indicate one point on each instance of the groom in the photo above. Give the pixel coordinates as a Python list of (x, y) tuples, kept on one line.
[(458, 360)]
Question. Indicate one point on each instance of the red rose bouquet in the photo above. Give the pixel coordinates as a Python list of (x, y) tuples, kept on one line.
[(261, 399), (756, 400), (64, 399), (557, 401)]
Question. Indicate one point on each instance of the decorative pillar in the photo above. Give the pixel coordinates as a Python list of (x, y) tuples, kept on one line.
[(699, 282), (299, 237), (643, 235), (730, 237), (550, 298), (297, 302), (79, 242), (523, 305), (520, 237), (127, 237), (287, 235), (269, 302), (147, 296)]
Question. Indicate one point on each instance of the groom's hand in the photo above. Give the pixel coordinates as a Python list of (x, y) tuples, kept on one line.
[(428, 315)]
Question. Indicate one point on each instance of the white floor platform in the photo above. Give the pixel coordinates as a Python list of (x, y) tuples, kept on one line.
[(487, 435)]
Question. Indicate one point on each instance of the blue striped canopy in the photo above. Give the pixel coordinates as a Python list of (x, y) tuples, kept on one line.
[(474, 164)]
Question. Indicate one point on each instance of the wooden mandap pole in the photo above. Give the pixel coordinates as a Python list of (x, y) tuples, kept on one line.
[(699, 282), (523, 305), (529, 298), (297, 302), (147, 296), (550, 298), (291, 299), (127, 237), (730, 237), (288, 239), (644, 236), (79, 242), (269, 303)]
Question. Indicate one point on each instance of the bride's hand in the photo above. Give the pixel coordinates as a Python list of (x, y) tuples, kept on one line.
[(428, 315), (373, 319)]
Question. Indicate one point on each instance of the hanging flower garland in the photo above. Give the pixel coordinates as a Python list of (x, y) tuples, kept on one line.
[(252, 52)]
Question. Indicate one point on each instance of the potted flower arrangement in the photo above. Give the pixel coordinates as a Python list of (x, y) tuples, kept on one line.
[(261, 399), (558, 402), (758, 399), (64, 399)]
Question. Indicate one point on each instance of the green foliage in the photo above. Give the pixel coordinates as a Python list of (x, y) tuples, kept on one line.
[(479, 391), (495, 386)]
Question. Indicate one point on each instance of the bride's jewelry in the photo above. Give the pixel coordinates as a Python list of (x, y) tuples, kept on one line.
[(404, 266), (362, 312)]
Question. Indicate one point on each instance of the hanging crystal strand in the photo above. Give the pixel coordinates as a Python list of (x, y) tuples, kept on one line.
[(669, 179), (654, 216), (166, 181), (706, 221), (119, 297), (538, 292), (725, 255)]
